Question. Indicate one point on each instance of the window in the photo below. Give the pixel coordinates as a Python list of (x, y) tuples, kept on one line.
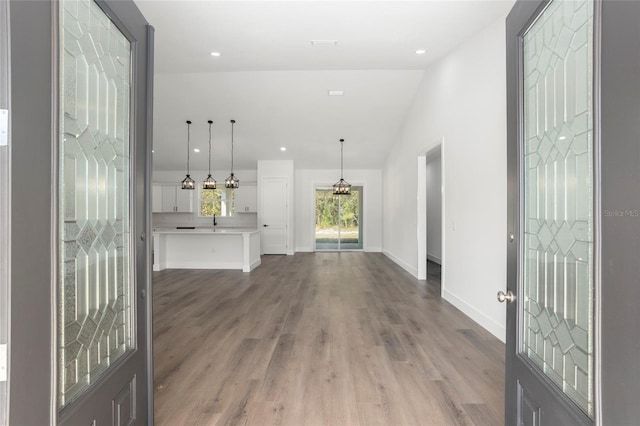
[(220, 202), (338, 223)]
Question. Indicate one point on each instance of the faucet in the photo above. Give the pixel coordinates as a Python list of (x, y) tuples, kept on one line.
[(214, 220)]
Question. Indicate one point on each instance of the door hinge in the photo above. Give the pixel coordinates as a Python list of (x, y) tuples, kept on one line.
[(3, 362)]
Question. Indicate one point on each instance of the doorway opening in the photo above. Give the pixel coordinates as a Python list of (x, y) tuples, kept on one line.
[(434, 211), (338, 219), (431, 212)]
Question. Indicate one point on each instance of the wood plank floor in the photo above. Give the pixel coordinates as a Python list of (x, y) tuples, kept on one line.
[(319, 339)]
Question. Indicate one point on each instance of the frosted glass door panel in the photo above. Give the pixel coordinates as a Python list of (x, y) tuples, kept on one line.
[(94, 283), (558, 198)]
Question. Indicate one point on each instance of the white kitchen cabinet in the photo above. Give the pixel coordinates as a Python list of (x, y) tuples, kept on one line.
[(156, 198), (246, 199), (184, 199), (171, 199)]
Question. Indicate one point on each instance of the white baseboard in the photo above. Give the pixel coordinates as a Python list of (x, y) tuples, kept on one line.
[(434, 259), (373, 249), (198, 265), (306, 249), (253, 266), (290, 252), (489, 324), (410, 269)]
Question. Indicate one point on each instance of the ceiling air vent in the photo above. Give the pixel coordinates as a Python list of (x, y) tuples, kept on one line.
[(319, 43)]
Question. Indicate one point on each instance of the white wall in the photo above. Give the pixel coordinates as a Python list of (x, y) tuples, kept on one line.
[(307, 180), (434, 207), (461, 99)]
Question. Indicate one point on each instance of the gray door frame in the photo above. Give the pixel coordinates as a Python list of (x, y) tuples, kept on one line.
[(33, 113), (4, 204), (616, 214), (620, 211), (32, 136)]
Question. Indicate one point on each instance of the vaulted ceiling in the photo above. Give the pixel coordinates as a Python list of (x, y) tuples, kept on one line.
[(274, 82)]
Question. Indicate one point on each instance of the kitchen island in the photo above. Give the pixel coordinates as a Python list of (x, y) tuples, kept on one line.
[(206, 248)]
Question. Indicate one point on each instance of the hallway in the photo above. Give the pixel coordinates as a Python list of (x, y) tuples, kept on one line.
[(319, 339)]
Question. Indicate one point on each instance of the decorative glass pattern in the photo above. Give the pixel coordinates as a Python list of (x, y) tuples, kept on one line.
[(94, 297), (558, 197)]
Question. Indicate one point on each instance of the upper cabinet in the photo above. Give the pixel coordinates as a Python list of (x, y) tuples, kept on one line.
[(246, 199), (171, 199)]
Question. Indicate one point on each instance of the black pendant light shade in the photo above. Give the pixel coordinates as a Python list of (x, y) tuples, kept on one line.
[(342, 187), (209, 182), (188, 183), (232, 181)]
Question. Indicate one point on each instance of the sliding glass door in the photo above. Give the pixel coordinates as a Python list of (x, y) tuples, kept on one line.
[(338, 222)]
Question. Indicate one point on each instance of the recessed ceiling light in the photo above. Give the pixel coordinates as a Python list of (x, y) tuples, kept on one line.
[(216, 54), (420, 52), (324, 42), (562, 138), (336, 92), (282, 148), (196, 150)]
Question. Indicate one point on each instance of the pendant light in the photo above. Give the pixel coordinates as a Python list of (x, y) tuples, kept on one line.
[(232, 181), (342, 187), (188, 183), (209, 182)]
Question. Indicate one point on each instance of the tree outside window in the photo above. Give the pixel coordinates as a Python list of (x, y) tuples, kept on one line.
[(337, 215), (217, 201)]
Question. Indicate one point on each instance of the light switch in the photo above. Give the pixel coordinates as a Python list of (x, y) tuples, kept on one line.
[(4, 127), (3, 362)]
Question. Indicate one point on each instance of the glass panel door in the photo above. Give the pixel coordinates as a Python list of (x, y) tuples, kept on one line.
[(557, 216), (326, 225), (350, 214), (338, 224), (94, 284)]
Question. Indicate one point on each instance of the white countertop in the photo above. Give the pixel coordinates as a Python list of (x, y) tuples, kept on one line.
[(207, 231)]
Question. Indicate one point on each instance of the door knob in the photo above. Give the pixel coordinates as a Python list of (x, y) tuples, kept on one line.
[(510, 297), (265, 225)]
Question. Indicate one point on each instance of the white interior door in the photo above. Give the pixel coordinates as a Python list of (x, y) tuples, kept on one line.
[(273, 213)]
